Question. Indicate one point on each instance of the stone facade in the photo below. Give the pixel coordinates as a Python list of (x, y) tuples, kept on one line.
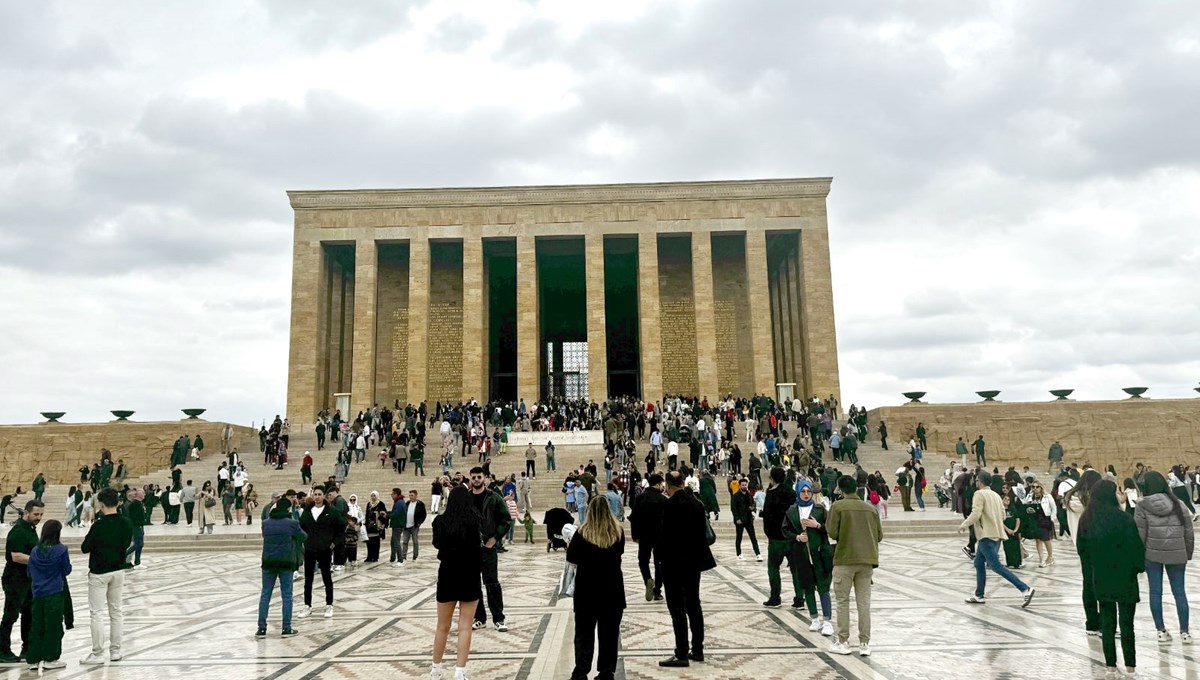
[(1157, 432), (733, 282), (59, 449)]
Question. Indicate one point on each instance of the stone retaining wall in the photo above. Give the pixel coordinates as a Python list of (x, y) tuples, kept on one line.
[(59, 449), (1158, 432)]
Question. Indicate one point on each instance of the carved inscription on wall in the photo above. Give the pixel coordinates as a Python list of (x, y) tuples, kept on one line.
[(445, 351), (678, 324), (725, 313), (399, 350)]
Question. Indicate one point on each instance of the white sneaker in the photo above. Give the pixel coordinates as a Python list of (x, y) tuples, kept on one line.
[(139, 567), (815, 626), (304, 613), (1185, 637), (864, 650), (827, 629), (436, 672), (477, 625), (741, 559), (460, 674), (53, 665), (758, 557), (329, 611), (839, 648), (1164, 636), (91, 659)]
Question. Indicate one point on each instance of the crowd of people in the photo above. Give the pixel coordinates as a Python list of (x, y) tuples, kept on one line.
[(821, 514)]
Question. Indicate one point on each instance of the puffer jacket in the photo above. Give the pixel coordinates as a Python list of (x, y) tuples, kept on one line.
[(1167, 539)]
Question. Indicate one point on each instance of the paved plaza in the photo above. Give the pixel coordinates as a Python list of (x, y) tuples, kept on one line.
[(192, 615)]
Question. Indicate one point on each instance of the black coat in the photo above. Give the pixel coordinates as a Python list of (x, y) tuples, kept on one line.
[(683, 544), (323, 531), (599, 583), (647, 519), (779, 499)]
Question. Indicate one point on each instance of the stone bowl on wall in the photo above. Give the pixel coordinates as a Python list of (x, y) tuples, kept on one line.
[(53, 416), (989, 395), (1062, 394), (1134, 392), (122, 415), (913, 397), (193, 413)]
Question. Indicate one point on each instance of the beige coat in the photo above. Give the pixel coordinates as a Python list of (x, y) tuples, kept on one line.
[(987, 515), (206, 516)]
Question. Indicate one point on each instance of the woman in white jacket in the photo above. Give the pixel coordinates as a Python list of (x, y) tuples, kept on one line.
[(1041, 509)]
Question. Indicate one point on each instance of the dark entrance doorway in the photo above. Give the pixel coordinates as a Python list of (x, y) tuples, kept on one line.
[(562, 312)]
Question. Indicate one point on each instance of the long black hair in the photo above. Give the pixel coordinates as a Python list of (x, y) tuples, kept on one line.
[(1084, 488), (1154, 483), (1103, 512), (459, 517), (51, 534)]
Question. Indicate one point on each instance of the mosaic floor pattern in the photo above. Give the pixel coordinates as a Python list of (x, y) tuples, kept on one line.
[(193, 616)]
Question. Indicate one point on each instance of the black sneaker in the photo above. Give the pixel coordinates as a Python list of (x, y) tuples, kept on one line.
[(773, 604), (797, 604), (674, 662), (969, 553), (9, 657), (262, 633), (289, 632), (696, 656)]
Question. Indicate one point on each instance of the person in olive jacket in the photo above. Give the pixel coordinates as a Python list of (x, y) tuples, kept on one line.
[(323, 525), (645, 525), (599, 601), (685, 556), (1113, 554), (283, 545)]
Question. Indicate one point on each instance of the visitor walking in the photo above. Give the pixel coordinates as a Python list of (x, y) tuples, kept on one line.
[(18, 587), (685, 556), (1108, 539), (283, 543), (456, 533), (49, 565), (324, 526), (599, 600), (107, 544), (645, 525), (396, 519), (987, 517), (855, 527), (1169, 536), (742, 508)]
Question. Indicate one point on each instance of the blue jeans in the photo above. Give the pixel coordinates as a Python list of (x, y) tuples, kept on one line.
[(987, 554), (920, 499), (139, 541), (1175, 574), (285, 592)]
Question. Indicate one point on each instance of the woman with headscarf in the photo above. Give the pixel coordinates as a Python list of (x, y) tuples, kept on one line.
[(1113, 555), (1169, 535), (1076, 501), (812, 556), (375, 521)]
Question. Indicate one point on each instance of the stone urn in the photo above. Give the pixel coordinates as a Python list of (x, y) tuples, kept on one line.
[(122, 416), (1194, 388), (1134, 392), (1061, 394), (989, 395), (914, 397), (53, 416), (193, 413)]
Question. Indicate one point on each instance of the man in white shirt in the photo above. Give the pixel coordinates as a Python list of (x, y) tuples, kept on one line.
[(239, 481), (672, 454), (360, 448), (222, 478)]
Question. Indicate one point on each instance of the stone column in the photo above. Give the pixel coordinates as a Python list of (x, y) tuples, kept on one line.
[(305, 358), (528, 337), (362, 372), (820, 336), (418, 316), (473, 310), (760, 310), (597, 342), (649, 331), (706, 327)]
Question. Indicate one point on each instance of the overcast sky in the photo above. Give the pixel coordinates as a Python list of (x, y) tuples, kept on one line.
[(1015, 201)]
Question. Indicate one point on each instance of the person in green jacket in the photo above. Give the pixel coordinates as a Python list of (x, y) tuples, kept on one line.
[(855, 527), (804, 526), (39, 486), (960, 450), (708, 494), (1112, 550)]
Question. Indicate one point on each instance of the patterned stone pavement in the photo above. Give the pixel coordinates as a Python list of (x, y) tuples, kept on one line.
[(194, 616)]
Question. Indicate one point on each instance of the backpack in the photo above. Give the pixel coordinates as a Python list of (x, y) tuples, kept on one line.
[(874, 497)]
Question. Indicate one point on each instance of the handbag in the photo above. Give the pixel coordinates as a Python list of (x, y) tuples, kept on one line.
[(710, 536), (210, 502)]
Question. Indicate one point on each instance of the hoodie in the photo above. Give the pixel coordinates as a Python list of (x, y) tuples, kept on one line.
[(48, 567), (1167, 538)]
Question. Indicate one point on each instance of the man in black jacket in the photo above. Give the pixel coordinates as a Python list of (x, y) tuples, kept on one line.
[(107, 547), (685, 555), (324, 526), (742, 506), (780, 497), (646, 527), (494, 523)]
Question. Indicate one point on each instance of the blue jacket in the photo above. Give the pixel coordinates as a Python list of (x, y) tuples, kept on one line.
[(283, 543), (48, 567)]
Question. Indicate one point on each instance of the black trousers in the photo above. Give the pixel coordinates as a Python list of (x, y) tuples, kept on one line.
[(531, 468), (190, 509), (372, 548), (1091, 608), (18, 601), (339, 554), (588, 626), (683, 602), (737, 541), (491, 584), (1111, 613), (314, 559), (645, 551)]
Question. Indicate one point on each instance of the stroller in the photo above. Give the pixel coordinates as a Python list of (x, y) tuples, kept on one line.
[(555, 520), (942, 489)]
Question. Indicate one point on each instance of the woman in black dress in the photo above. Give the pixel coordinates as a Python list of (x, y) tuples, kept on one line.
[(456, 535), (599, 601)]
